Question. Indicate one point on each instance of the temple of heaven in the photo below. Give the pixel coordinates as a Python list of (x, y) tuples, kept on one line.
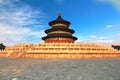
[(59, 43), (60, 31)]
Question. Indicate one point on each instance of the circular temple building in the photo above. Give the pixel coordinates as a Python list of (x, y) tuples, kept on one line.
[(60, 31)]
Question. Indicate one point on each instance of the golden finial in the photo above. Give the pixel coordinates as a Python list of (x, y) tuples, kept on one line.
[(59, 13)]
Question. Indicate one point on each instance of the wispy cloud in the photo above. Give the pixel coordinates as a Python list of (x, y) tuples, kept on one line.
[(107, 42), (15, 19), (100, 40), (1, 1), (104, 40), (59, 1), (115, 3)]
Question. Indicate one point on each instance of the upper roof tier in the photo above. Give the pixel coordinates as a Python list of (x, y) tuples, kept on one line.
[(59, 20), (59, 28)]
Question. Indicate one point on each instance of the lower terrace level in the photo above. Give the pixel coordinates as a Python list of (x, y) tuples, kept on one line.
[(65, 55)]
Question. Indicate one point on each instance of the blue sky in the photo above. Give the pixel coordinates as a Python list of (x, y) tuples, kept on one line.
[(94, 21)]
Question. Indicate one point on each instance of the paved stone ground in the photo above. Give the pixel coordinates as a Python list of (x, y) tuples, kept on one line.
[(59, 69)]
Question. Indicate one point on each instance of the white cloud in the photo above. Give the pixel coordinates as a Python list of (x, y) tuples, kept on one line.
[(109, 26), (95, 37), (15, 20), (102, 41)]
